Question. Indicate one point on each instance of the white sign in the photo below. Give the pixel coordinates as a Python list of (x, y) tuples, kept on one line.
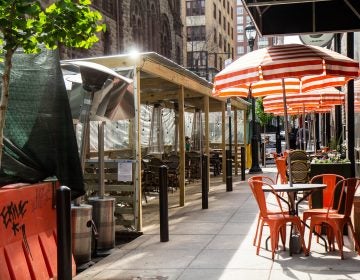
[(320, 40), (125, 170)]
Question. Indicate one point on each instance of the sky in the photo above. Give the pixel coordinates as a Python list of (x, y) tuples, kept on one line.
[(292, 39)]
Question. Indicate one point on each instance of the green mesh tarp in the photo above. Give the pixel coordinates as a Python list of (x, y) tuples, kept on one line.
[(39, 136)]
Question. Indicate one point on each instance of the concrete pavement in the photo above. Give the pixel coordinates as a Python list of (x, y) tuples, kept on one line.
[(216, 243)]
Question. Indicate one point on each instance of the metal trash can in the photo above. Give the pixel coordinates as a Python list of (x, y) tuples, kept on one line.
[(81, 232), (103, 217)]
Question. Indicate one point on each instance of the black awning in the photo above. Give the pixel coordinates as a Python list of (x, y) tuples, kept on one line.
[(285, 17)]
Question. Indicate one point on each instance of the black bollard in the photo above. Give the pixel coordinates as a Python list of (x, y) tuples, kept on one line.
[(243, 160), (204, 183), (163, 204), (63, 219), (229, 187)]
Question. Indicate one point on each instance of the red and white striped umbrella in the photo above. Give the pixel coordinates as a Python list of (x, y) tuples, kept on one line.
[(314, 66), (329, 96), (299, 110)]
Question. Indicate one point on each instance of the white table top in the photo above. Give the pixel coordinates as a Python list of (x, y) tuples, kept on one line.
[(294, 187)]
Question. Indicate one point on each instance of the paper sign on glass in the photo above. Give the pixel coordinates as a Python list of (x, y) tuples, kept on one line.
[(125, 171)]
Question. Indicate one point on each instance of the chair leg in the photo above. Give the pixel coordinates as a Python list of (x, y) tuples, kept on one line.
[(283, 236), (257, 230), (259, 240), (357, 248), (339, 240), (310, 237)]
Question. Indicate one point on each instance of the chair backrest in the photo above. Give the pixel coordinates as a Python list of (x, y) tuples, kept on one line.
[(330, 180), (256, 184), (300, 171), (298, 155), (348, 188), (281, 168)]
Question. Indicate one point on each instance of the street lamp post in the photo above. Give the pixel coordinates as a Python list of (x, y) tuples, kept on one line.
[(250, 33)]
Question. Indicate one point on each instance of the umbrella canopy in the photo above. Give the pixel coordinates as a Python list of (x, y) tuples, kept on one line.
[(317, 98), (314, 68), (298, 110)]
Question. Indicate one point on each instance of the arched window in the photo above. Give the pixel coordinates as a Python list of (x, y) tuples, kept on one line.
[(166, 41), (107, 42), (136, 15), (153, 23)]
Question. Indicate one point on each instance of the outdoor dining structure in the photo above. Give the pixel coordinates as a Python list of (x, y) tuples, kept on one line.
[(169, 103)]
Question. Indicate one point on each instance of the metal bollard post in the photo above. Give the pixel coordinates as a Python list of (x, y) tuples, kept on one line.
[(243, 160), (163, 204), (204, 183), (63, 219), (229, 187)]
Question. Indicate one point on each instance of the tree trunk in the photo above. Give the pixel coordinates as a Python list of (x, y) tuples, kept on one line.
[(5, 95)]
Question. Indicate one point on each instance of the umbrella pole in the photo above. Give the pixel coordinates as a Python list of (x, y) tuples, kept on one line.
[(286, 130)]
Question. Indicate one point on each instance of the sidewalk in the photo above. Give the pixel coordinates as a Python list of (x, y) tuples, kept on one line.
[(216, 243)]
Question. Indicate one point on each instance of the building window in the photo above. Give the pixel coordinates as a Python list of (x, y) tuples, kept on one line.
[(215, 36), (196, 59), (214, 11), (263, 42), (240, 19), (240, 38), (196, 33), (224, 4), (228, 7), (232, 13), (224, 23), (240, 28), (195, 8), (240, 50), (220, 40), (228, 29), (108, 6), (221, 63), (232, 33), (239, 11), (219, 17), (165, 43)]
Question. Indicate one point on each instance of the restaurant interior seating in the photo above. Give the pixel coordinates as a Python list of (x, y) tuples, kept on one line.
[(173, 171)]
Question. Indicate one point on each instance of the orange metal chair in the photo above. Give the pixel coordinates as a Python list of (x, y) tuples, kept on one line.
[(337, 221), (330, 180), (266, 180), (276, 221), (281, 170)]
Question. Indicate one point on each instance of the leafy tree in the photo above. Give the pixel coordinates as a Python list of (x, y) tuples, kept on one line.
[(25, 24), (263, 117)]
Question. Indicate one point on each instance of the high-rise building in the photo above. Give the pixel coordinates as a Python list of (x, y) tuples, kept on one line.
[(210, 36), (242, 44)]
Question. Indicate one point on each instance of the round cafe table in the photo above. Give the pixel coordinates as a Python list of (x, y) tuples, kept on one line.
[(292, 190)]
